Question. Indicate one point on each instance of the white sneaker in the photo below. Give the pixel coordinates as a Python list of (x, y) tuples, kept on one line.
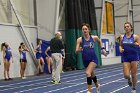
[(88, 92), (62, 71), (133, 91), (98, 88), (23, 77)]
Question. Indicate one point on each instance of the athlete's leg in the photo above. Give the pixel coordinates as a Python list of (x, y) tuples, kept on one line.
[(126, 72), (5, 70), (8, 68), (38, 67), (42, 64), (21, 69), (89, 72), (24, 67), (94, 78), (134, 74), (49, 62)]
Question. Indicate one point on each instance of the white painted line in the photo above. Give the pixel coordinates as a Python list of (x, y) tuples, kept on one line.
[(70, 81), (76, 85), (50, 78), (121, 88), (104, 84)]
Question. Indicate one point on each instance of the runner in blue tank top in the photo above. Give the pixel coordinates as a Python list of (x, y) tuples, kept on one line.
[(86, 44), (129, 42), (88, 49), (23, 60), (39, 58)]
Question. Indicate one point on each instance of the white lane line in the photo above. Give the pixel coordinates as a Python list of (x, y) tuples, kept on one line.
[(5, 86), (79, 72), (80, 84), (68, 81), (103, 84), (121, 88), (69, 76), (73, 80)]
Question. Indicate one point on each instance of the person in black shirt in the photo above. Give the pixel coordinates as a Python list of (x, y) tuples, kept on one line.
[(56, 46)]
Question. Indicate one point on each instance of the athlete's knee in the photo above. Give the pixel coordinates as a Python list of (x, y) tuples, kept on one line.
[(127, 76), (89, 80), (88, 74), (134, 75), (8, 70), (94, 79)]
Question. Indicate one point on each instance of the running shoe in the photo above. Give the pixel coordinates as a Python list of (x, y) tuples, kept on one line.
[(98, 88), (133, 91), (88, 92), (129, 82)]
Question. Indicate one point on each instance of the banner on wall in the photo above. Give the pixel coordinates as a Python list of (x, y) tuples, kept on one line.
[(107, 22), (103, 21), (105, 43)]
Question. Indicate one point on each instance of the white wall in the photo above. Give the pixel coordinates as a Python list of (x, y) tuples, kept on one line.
[(11, 35), (111, 58), (136, 13), (98, 8), (111, 44), (121, 16), (46, 17)]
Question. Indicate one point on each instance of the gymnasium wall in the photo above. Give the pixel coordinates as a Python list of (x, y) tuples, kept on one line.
[(46, 17), (11, 35), (24, 9), (109, 38), (136, 18), (121, 16)]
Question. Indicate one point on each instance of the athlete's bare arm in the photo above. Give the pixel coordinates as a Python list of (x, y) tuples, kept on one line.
[(120, 44), (78, 43)]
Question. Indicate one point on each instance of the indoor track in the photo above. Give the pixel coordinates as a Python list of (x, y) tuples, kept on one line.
[(110, 78)]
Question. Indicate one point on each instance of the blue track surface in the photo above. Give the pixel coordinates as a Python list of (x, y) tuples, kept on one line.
[(110, 78)]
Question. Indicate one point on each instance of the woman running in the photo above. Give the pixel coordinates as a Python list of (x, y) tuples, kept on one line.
[(86, 44), (128, 45)]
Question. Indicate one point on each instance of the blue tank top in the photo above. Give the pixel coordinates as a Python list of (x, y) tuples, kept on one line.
[(23, 54), (128, 44), (88, 49), (130, 49), (49, 53), (38, 49), (8, 53)]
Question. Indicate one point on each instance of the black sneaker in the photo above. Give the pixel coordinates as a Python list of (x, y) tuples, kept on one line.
[(129, 82), (5, 79)]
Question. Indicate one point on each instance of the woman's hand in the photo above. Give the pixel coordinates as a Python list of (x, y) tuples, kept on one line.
[(104, 52), (121, 50), (137, 44), (80, 49)]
